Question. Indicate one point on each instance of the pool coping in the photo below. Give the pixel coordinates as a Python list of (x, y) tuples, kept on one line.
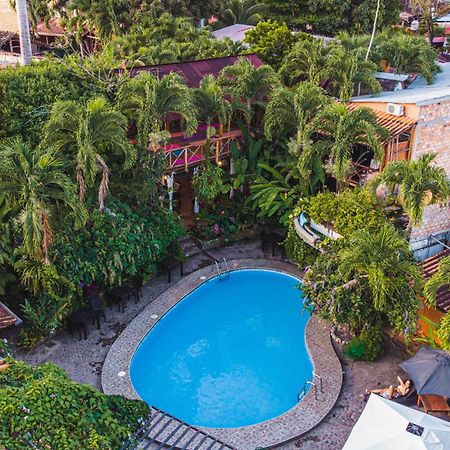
[(304, 416)]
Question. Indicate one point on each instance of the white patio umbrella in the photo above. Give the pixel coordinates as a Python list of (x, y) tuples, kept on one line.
[(386, 425)]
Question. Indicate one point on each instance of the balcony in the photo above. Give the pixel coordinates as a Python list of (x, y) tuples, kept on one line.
[(182, 153)]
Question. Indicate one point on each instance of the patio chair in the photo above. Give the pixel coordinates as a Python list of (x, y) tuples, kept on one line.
[(96, 307)]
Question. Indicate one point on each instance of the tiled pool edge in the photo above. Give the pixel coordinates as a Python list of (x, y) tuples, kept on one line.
[(295, 422)]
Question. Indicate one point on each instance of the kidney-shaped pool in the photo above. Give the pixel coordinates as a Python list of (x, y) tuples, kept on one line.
[(231, 353)]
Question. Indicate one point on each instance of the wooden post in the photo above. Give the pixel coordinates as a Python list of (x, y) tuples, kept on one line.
[(217, 151), (186, 161)]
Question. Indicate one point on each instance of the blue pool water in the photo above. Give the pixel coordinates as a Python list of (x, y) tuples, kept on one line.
[(232, 353)]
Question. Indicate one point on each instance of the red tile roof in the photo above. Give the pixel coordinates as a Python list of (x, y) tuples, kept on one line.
[(7, 317), (396, 125), (53, 29), (194, 71), (429, 268)]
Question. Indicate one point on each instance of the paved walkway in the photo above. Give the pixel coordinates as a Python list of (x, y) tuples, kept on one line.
[(83, 359)]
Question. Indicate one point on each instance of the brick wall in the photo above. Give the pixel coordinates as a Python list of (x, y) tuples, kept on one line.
[(433, 135)]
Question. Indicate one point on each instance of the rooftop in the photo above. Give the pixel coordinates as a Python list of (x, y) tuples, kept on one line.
[(234, 32), (419, 92), (7, 317), (194, 71), (396, 125)]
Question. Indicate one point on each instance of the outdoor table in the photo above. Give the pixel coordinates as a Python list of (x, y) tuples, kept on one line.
[(79, 319), (120, 295), (433, 403), (171, 263)]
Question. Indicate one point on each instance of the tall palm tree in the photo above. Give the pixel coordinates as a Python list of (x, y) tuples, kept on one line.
[(211, 105), (293, 112), (420, 183), (148, 100), (242, 12), (341, 130), (90, 134), (24, 32), (34, 181), (249, 85), (347, 69), (384, 260), (307, 61)]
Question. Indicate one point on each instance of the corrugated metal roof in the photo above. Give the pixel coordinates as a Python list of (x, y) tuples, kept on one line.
[(7, 317), (396, 125), (234, 32), (194, 71), (429, 267)]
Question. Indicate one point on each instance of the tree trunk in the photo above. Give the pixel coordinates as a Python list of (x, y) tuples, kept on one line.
[(24, 32)]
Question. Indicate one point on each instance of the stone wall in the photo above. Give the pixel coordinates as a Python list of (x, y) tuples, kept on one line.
[(433, 135)]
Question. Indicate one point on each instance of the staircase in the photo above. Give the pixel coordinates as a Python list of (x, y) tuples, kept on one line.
[(161, 430)]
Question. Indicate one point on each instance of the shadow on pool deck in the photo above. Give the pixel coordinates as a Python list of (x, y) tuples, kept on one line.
[(83, 360)]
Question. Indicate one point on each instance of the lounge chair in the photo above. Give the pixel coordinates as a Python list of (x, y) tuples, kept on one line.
[(409, 399)]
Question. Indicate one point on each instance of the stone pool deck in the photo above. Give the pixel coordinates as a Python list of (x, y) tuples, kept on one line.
[(84, 359), (298, 420)]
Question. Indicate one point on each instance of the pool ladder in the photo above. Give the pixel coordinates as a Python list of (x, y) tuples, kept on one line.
[(225, 272), (302, 393)]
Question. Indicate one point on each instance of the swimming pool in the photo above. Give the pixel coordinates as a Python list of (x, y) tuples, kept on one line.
[(232, 353)]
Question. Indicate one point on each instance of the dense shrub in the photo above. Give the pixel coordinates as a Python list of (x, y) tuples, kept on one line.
[(347, 212), (116, 245), (42, 406), (367, 346), (28, 93)]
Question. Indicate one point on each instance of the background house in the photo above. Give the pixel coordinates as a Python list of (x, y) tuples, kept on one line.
[(429, 106)]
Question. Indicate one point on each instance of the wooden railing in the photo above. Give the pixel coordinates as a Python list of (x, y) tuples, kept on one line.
[(180, 156), (360, 174)]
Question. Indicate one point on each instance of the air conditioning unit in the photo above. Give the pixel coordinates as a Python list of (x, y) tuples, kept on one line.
[(395, 109)]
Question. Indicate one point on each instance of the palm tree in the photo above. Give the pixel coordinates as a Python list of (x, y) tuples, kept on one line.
[(249, 84), (148, 100), (341, 129), (293, 111), (90, 134), (307, 61), (420, 183), (34, 182), (384, 260), (242, 12), (24, 32), (346, 69), (211, 105)]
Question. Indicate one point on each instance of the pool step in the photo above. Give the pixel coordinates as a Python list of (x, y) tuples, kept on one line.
[(161, 430)]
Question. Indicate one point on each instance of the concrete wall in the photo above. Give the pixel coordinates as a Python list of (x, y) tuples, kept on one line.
[(8, 18), (411, 109), (433, 135)]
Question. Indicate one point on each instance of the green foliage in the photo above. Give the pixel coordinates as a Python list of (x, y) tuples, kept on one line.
[(408, 54), (355, 349), (357, 16), (209, 183), (347, 212), (242, 12), (43, 406), (298, 250), (372, 339), (118, 245), (270, 41), (366, 279), (443, 332), (367, 346), (226, 218), (418, 184), (294, 13), (165, 39), (28, 93)]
